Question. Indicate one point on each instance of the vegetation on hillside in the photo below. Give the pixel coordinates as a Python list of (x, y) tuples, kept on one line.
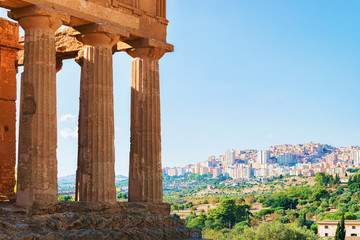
[(282, 205)]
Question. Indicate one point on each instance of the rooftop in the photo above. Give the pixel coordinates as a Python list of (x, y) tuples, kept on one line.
[(334, 222)]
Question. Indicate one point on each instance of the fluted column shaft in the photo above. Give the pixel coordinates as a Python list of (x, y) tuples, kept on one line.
[(145, 174), (96, 150), (37, 162)]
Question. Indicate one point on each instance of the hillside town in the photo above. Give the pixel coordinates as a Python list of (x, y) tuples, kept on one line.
[(295, 160)]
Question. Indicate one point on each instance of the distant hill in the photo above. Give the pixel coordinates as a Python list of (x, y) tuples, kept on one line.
[(70, 179), (120, 177), (67, 183)]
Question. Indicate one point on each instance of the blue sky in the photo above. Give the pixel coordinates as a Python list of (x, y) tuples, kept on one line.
[(245, 74)]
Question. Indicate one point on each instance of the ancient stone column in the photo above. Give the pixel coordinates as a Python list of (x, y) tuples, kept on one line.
[(145, 173), (37, 163), (9, 45), (95, 176)]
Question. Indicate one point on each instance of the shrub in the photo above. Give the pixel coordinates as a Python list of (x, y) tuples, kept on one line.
[(241, 226), (282, 220), (189, 205), (66, 198), (280, 212), (277, 231), (175, 216), (188, 218)]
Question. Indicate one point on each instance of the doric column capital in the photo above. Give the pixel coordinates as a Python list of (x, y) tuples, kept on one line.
[(38, 17), (79, 59), (148, 48), (152, 53), (99, 35), (59, 64)]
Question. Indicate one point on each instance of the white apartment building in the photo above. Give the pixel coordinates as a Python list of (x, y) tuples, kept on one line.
[(263, 157), (217, 171), (244, 171), (205, 164), (356, 157), (204, 170), (262, 172), (180, 171), (229, 157), (286, 158), (172, 172)]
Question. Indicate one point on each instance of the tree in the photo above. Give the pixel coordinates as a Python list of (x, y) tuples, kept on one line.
[(198, 222), (324, 179), (242, 212), (175, 216), (301, 221), (240, 200), (340, 230), (314, 228), (354, 179), (189, 217), (354, 187), (225, 212), (319, 194), (212, 201), (337, 179), (250, 199), (66, 198), (277, 231), (239, 227), (338, 216), (121, 195), (281, 199), (175, 207), (189, 205), (337, 233), (343, 231)]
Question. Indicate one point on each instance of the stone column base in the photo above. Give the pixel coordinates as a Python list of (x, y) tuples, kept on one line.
[(86, 220)]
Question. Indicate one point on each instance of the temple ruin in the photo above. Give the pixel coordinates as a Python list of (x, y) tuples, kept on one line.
[(99, 28), (96, 29)]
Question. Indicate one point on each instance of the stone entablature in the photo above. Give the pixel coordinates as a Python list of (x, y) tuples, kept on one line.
[(68, 46), (152, 8), (140, 18)]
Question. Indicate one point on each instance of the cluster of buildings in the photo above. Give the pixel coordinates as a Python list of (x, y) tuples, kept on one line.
[(301, 159)]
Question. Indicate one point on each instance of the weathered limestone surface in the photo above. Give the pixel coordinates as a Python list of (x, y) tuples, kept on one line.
[(102, 28), (141, 18), (67, 46), (9, 46), (145, 174), (37, 163), (79, 220), (96, 149)]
